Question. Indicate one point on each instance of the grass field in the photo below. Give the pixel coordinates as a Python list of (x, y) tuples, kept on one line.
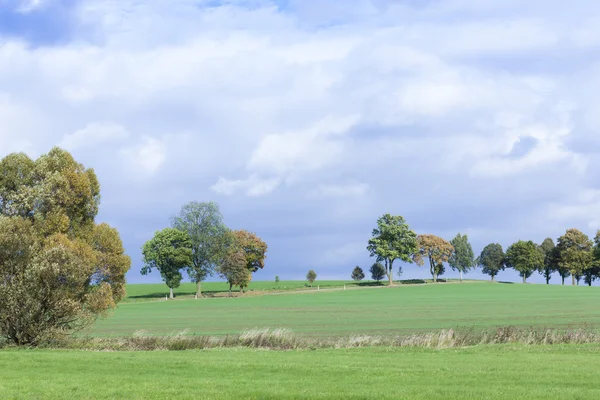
[(396, 310), (483, 372)]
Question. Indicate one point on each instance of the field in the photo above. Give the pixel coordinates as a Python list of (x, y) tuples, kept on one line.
[(379, 310), (498, 371), (483, 372)]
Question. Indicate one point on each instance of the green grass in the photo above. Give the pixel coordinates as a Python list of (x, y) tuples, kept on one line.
[(482, 372), (397, 310)]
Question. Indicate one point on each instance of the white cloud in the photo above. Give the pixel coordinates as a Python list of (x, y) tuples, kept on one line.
[(148, 156), (355, 189), (94, 134), (253, 186)]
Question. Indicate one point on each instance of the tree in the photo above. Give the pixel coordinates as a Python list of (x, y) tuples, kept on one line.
[(59, 270), (377, 271), (169, 251), (241, 245), (437, 250), (204, 225), (311, 276), (574, 253), (358, 274), (524, 257), (593, 272), (548, 251), (392, 240), (277, 280), (462, 258), (491, 260)]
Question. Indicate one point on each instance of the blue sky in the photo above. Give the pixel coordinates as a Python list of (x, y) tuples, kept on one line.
[(306, 120)]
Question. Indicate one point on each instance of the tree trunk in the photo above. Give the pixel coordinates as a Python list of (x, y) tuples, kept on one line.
[(389, 272), (590, 282), (573, 280), (460, 276), (492, 278), (563, 280), (434, 277), (524, 279), (230, 286), (171, 296), (547, 280), (198, 290)]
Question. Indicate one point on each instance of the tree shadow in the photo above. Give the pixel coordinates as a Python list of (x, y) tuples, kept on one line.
[(366, 284), (506, 283), (161, 295)]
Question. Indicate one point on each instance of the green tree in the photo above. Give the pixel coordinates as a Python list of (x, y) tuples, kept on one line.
[(277, 281), (204, 225), (549, 267), (574, 253), (593, 272), (377, 271), (462, 258), (491, 260), (358, 274), (392, 240), (436, 250), (311, 276), (59, 270), (169, 251), (524, 257)]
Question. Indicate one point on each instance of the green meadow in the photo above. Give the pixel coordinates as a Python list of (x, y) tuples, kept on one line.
[(371, 310), (482, 372)]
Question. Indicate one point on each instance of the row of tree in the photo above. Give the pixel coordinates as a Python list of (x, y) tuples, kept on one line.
[(574, 254), (199, 243)]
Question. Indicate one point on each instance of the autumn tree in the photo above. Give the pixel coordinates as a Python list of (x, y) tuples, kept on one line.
[(574, 253), (59, 269), (392, 240), (377, 271), (491, 260), (358, 274), (462, 258), (436, 250), (169, 251), (204, 225), (524, 257), (547, 248), (238, 245), (311, 276)]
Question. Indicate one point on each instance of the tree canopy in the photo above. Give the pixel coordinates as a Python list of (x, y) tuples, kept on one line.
[(377, 271), (524, 257), (204, 225), (311, 276), (491, 260), (462, 258), (436, 250), (549, 267), (357, 274), (169, 251), (239, 246), (574, 253), (59, 269), (392, 240)]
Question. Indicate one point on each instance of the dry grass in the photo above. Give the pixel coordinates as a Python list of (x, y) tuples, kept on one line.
[(285, 339)]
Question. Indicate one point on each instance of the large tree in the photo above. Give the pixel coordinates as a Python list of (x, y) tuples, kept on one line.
[(593, 272), (462, 258), (59, 270), (549, 267), (524, 257), (204, 225), (169, 251), (491, 260), (392, 240), (241, 245), (574, 253), (436, 250)]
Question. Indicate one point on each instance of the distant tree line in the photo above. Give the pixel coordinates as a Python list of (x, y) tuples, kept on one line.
[(201, 244), (574, 254)]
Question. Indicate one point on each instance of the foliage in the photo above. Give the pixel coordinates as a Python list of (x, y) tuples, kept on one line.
[(574, 252), (462, 258), (524, 257), (277, 280), (436, 250), (242, 254), (593, 272), (548, 251), (59, 270), (311, 276), (204, 225), (392, 240), (491, 259), (358, 274), (377, 271), (169, 251)]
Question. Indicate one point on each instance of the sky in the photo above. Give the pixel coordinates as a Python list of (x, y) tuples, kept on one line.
[(306, 120)]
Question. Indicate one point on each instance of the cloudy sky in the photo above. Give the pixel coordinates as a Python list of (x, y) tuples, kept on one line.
[(307, 119)]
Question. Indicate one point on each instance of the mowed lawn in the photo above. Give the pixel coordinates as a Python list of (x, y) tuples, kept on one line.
[(397, 310), (482, 372)]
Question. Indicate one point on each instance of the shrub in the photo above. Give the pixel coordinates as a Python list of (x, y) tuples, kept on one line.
[(358, 274), (377, 272)]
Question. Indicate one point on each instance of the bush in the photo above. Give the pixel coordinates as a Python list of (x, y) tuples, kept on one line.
[(377, 272), (358, 274)]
